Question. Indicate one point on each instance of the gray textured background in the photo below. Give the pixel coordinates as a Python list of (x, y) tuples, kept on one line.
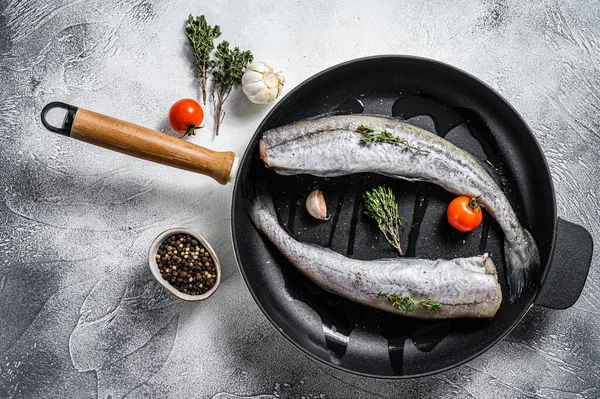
[(80, 315)]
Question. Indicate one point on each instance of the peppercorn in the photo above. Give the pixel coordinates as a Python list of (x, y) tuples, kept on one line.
[(186, 264)]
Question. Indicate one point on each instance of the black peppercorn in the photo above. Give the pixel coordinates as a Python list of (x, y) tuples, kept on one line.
[(186, 264)]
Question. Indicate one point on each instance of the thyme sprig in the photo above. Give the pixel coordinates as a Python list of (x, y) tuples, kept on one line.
[(381, 205), (408, 304), (228, 69), (201, 37), (383, 136)]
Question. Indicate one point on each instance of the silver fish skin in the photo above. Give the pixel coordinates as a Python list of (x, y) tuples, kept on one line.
[(465, 287), (330, 146)]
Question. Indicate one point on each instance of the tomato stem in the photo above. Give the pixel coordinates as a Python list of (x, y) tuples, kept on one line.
[(474, 202), (191, 130)]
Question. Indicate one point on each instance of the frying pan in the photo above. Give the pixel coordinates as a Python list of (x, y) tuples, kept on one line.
[(330, 329)]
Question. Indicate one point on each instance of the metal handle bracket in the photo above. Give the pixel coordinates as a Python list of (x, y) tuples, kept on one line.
[(65, 129)]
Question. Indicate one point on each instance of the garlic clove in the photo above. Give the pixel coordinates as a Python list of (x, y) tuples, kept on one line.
[(253, 88), (281, 79), (274, 94), (316, 206), (260, 67), (261, 83), (259, 96), (250, 77), (271, 79)]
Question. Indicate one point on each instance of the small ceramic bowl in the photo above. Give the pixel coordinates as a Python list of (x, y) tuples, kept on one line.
[(156, 272)]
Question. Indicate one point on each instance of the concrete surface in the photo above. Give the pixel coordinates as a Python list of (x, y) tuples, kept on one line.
[(81, 317)]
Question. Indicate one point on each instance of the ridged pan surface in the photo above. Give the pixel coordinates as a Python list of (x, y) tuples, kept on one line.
[(355, 338)]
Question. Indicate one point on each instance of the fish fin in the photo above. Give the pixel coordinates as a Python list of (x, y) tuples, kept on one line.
[(523, 265), (339, 113), (409, 179), (488, 264)]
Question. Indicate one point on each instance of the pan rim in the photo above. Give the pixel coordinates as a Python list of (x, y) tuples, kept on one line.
[(504, 102)]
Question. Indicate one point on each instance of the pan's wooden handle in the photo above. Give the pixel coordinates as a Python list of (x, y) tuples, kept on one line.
[(141, 142)]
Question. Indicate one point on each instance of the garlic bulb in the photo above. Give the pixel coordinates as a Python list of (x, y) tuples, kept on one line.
[(261, 83), (316, 206)]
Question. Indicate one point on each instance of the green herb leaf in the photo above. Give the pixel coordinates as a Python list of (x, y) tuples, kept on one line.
[(407, 303), (201, 37), (365, 129), (228, 69), (430, 305), (383, 136), (381, 205)]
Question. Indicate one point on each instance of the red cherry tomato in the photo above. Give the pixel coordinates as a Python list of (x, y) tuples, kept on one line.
[(464, 213), (185, 116)]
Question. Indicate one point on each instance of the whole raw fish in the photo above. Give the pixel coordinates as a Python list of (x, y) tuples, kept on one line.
[(462, 287), (331, 146)]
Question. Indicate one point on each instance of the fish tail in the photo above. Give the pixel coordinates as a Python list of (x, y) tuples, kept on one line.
[(523, 265)]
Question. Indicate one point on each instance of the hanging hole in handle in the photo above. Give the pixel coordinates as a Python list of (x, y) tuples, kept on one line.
[(65, 129)]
